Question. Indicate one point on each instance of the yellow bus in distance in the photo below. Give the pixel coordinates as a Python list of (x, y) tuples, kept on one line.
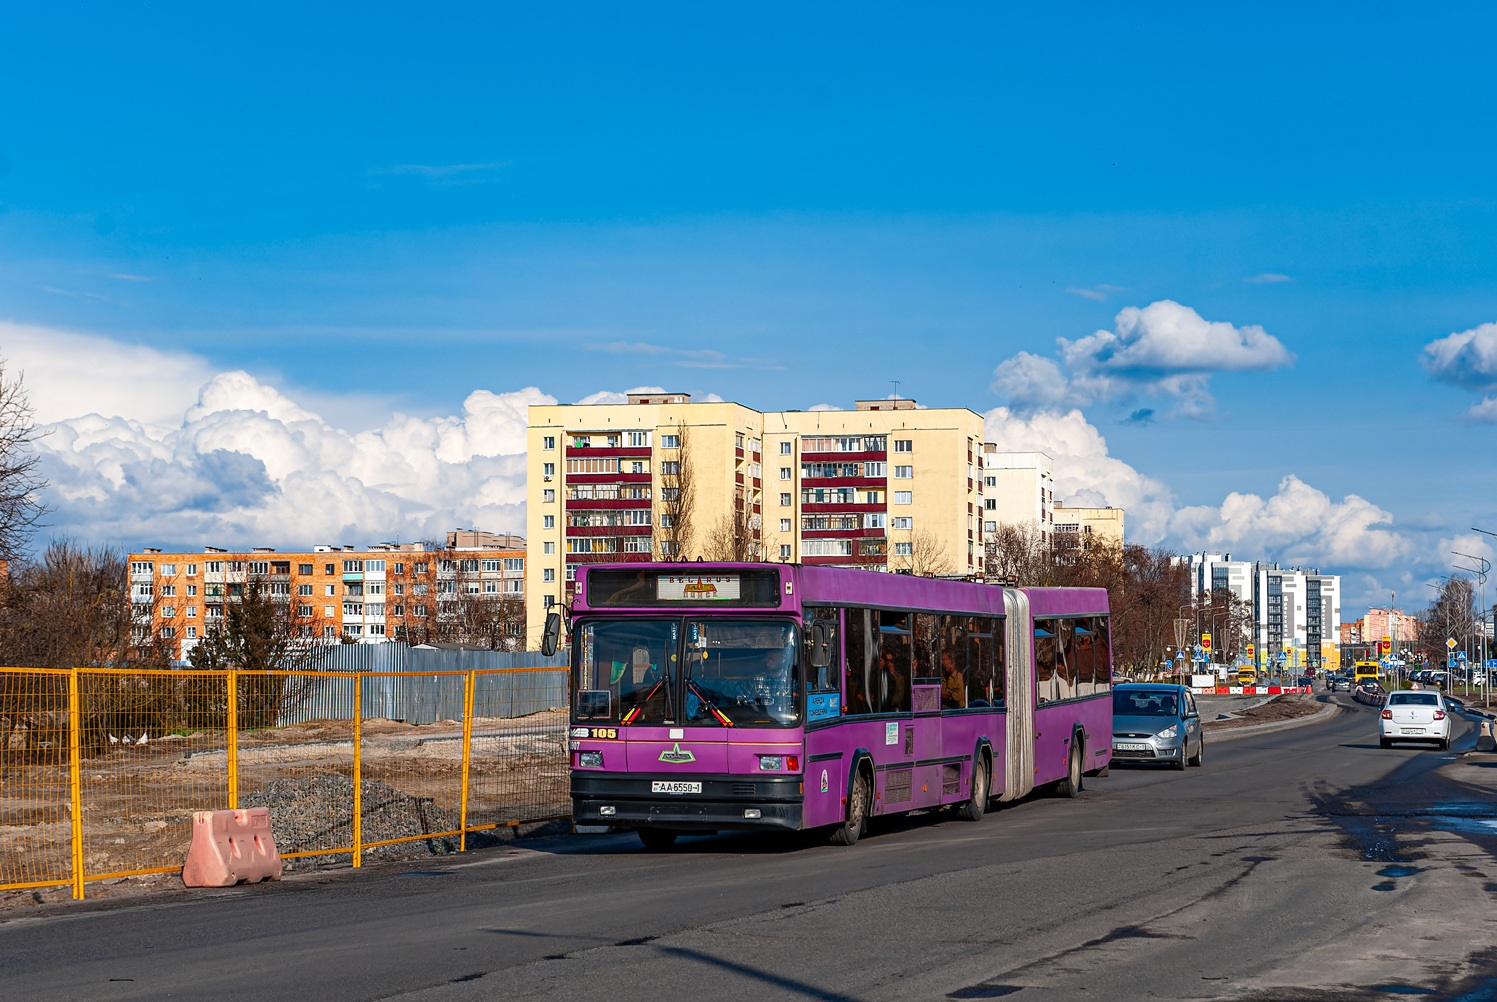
[(1366, 671), (1247, 676)]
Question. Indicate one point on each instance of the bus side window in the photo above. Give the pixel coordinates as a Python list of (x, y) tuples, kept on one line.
[(1065, 664), (827, 677), (1082, 650), (861, 660), (894, 662), (1102, 649), (927, 641), (1045, 655), (982, 689), (953, 663)]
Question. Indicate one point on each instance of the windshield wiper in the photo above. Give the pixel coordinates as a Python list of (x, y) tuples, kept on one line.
[(720, 715), (639, 707)]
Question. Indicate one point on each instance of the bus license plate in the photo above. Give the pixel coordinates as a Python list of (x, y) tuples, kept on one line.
[(1129, 746), (674, 786)]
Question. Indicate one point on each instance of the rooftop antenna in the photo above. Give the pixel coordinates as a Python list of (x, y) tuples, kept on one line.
[(896, 388)]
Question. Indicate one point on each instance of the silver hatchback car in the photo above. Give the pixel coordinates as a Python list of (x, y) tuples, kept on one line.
[(1156, 723)]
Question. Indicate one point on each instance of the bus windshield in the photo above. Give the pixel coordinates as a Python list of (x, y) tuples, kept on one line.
[(736, 672), (740, 672)]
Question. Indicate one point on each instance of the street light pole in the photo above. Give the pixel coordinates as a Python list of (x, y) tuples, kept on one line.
[(1487, 688), (1481, 575)]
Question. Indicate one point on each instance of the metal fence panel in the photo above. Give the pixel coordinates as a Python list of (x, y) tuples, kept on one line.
[(102, 770)]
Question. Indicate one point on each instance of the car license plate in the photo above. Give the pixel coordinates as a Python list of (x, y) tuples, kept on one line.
[(1413, 730), (1129, 746), (674, 786)]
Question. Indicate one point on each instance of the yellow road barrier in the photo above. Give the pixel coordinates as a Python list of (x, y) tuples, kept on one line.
[(101, 770)]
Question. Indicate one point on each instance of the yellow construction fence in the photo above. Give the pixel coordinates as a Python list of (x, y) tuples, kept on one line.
[(101, 770)]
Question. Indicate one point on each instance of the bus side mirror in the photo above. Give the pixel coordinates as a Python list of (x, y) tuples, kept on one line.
[(551, 637), (821, 646)]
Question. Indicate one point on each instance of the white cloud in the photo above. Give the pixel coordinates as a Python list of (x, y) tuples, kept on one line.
[(68, 374), (1163, 349), (1268, 278), (246, 465), (1468, 359), (1298, 524)]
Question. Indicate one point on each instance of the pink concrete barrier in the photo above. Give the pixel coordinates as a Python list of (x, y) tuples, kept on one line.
[(231, 847)]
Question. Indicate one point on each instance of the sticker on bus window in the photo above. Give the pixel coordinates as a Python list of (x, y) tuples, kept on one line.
[(821, 705), (891, 733)]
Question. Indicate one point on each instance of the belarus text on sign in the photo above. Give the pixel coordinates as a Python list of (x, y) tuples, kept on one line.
[(697, 588)]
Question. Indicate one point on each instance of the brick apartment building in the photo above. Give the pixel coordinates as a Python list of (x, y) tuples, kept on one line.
[(473, 583)]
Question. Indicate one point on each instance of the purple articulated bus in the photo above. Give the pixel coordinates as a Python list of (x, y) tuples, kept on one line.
[(709, 697)]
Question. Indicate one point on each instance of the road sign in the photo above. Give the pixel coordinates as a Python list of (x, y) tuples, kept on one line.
[(1460, 655), (1250, 652), (1206, 641), (1450, 642)]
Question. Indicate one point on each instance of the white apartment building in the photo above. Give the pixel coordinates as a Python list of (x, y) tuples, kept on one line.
[(1296, 611), (1019, 489)]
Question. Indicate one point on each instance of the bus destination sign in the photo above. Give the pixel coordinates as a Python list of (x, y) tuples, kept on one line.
[(697, 588)]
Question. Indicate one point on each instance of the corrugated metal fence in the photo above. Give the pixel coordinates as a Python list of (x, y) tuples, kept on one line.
[(409, 697)]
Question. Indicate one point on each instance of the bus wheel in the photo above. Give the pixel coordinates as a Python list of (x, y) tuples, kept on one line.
[(849, 831), (654, 839), (973, 809), (1071, 785)]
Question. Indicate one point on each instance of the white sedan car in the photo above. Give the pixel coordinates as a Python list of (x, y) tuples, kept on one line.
[(1415, 716)]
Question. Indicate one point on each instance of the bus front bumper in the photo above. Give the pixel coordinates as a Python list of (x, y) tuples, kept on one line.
[(724, 803)]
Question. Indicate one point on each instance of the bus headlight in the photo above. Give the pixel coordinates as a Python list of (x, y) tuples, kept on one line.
[(590, 759), (771, 763)]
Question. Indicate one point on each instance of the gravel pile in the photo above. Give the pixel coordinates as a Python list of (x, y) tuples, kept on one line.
[(316, 812)]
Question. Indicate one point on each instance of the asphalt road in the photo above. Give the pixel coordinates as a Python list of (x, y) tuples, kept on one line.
[(1264, 875)]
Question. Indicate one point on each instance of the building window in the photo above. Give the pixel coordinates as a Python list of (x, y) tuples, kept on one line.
[(353, 567), (904, 522), (826, 548), (903, 497), (875, 520), (167, 591), (990, 527), (354, 631), (329, 610), (192, 570), (990, 481), (784, 551), (785, 500), (904, 445), (668, 548), (785, 448), (875, 469), (168, 611), (667, 521), (192, 591), (192, 612), (670, 441), (548, 521), (903, 472), (670, 468), (548, 442), (374, 566), (140, 567), (168, 632), (638, 439), (904, 549), (548, 469), (304, 611), (991, 504), (873, 497), (785, 473), (548, 601), (639, 466), (548, 574), (259, 567), (548, 496), (192, 633), (168, 570), (785, 525), (548, 547)]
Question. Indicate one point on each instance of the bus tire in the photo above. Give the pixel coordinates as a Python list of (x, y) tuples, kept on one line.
[(977, 804), (656, 840), (851, 829), (1071, 785)]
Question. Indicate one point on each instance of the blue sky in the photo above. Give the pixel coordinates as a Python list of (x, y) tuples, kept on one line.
[(377, 211)]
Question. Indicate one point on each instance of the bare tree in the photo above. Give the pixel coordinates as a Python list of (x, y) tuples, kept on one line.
[(928, 556), (734, 537), (678, 495), (20, 480)]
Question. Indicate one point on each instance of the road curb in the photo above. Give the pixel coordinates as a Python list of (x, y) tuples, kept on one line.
[(1229, 733)]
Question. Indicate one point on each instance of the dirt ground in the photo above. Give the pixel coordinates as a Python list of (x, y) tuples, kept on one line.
[(138, 800), (1277, 708)]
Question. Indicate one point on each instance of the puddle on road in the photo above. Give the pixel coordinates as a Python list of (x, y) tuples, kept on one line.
[(1399, 871)]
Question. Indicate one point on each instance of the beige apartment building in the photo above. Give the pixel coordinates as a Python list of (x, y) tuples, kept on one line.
[(1088, 527), (885, 486)]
